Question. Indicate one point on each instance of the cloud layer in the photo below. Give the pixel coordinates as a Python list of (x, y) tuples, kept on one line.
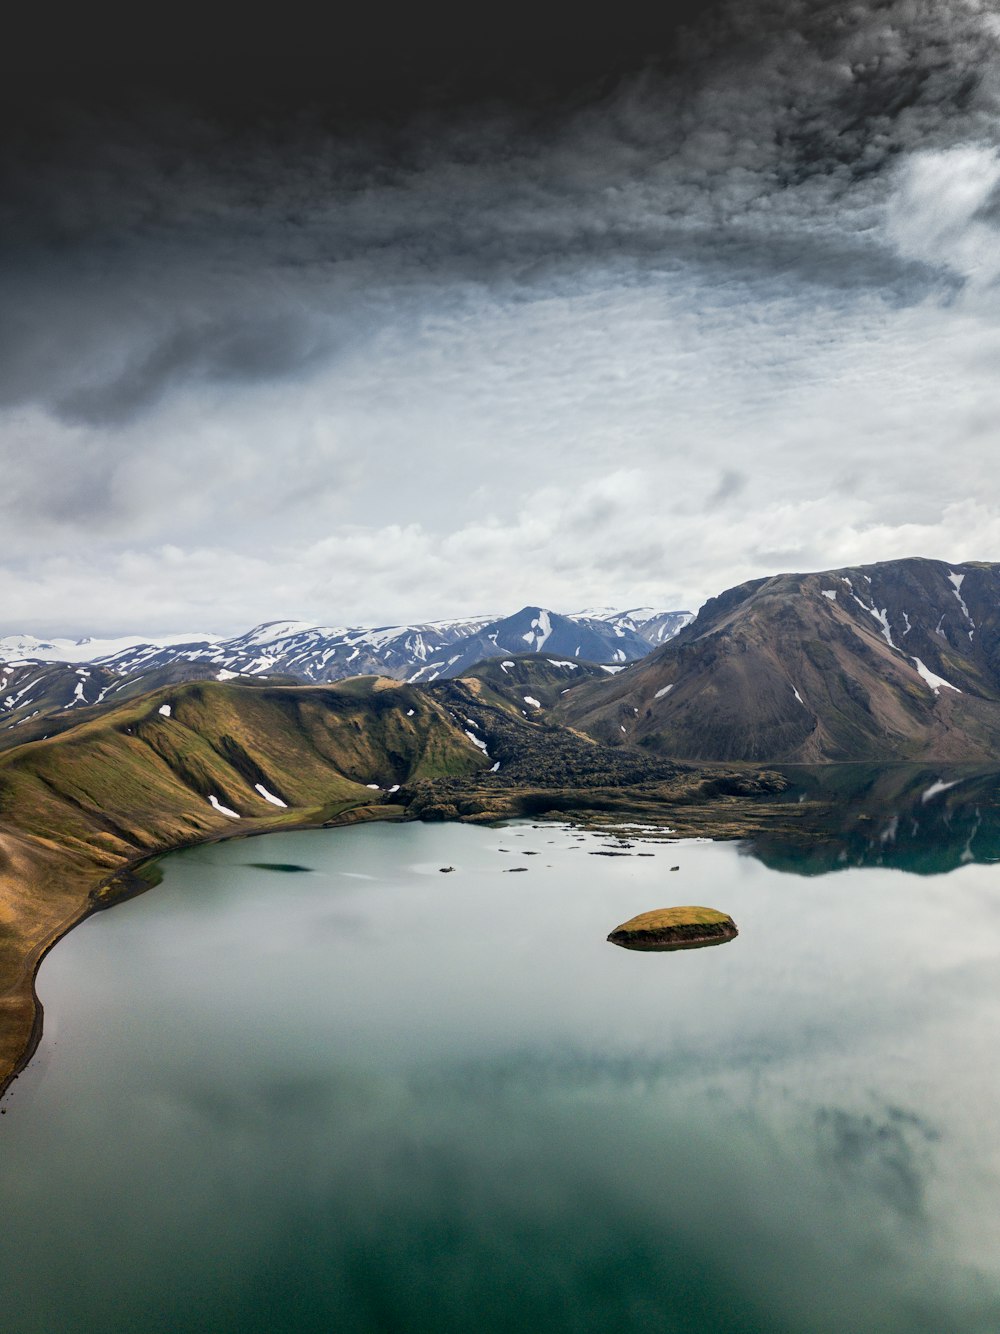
[(729, 317)]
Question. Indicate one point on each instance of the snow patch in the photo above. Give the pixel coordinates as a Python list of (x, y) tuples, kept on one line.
[(223, 810), (883, 621), (478, 742), (530, 699), (956, 580), (164, 709), (935, 682), (664, 690), (798, 697), (611, 671), (78, 696), (830, 593), (269, 796), (223, 675)]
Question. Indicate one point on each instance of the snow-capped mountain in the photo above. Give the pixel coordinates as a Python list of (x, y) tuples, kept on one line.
[(312, 653), (589, 637), (29, 689), (649, 623), (42, 677), (14, 648), (32, 691)]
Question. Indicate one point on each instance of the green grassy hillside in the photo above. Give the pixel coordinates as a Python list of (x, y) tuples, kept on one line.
[(140, 779)]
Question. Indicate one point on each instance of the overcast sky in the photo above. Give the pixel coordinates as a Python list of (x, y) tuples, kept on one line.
[(612, 340)]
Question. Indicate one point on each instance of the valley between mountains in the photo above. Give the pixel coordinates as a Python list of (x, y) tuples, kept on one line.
[(660, 719)]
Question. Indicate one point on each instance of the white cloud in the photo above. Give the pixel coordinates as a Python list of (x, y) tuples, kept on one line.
[(941, 214)]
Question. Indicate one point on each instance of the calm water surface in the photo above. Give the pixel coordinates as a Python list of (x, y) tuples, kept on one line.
[(366, 1096)]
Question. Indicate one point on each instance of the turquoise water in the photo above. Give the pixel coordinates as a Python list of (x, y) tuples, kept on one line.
[(368, 1096)]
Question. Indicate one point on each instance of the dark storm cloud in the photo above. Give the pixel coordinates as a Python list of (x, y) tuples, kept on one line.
[(177, 246), (246, 347)]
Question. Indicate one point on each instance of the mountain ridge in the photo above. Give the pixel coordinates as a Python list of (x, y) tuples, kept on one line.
[(314, 654), (898, 660)]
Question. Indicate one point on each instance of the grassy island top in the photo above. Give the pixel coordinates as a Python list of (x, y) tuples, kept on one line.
[(668, 919)]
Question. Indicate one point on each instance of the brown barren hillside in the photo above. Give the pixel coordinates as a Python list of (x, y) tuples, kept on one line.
[(895, 661)]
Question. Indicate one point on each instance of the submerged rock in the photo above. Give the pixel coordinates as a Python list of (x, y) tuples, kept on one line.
[(675, 929)]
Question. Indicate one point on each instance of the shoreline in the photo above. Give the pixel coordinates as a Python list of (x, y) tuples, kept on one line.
[(132, 883), (727, 820)]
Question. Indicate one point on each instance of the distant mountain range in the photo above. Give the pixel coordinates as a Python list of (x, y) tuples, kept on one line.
[(894, 661), (422, 651), (897, 661), (38, 677)]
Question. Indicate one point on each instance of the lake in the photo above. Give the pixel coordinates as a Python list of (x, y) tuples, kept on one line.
[(311, 1083)]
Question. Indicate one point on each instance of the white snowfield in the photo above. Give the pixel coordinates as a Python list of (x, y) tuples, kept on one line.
[(664, 690), (530, 699), (85, 650), (165, 710)]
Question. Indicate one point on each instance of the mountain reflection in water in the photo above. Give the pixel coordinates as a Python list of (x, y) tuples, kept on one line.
[(377, 1098), (919, 818)]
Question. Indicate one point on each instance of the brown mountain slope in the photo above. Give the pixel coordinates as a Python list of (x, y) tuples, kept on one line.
[(899, 660)]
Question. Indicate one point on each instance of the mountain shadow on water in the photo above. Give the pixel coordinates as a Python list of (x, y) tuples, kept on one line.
[(917, 818)]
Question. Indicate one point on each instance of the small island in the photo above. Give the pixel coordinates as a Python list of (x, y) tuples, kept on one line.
[(675, 929)]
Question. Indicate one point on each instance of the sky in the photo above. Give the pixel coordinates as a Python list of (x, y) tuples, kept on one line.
[(430, 316)]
